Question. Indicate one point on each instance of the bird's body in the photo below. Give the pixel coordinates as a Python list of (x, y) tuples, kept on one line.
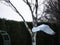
[(45, 28)]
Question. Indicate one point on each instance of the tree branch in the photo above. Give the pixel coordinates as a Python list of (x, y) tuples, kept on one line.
[(22, 18), (31, 12)]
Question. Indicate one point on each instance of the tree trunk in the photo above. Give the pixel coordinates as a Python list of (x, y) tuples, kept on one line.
[(34, 38)]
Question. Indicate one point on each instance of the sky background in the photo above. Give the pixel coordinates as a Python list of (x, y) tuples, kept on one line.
[(9, 14)]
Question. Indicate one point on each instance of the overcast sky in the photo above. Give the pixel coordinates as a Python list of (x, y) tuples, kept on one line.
[(9, 14)]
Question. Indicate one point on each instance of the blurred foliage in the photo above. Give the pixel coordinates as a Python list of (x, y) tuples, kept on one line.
[(20, 36)]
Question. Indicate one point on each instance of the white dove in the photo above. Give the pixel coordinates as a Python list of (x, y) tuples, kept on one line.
[(43, 27)]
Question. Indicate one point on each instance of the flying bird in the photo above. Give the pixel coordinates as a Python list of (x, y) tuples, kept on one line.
[(45, 28)]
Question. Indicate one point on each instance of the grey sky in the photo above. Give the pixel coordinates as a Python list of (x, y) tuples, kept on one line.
[(7, 13)]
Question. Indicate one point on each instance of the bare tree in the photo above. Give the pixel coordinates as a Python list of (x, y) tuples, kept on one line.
[(34, 6), (35, 9), (53, 8)]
